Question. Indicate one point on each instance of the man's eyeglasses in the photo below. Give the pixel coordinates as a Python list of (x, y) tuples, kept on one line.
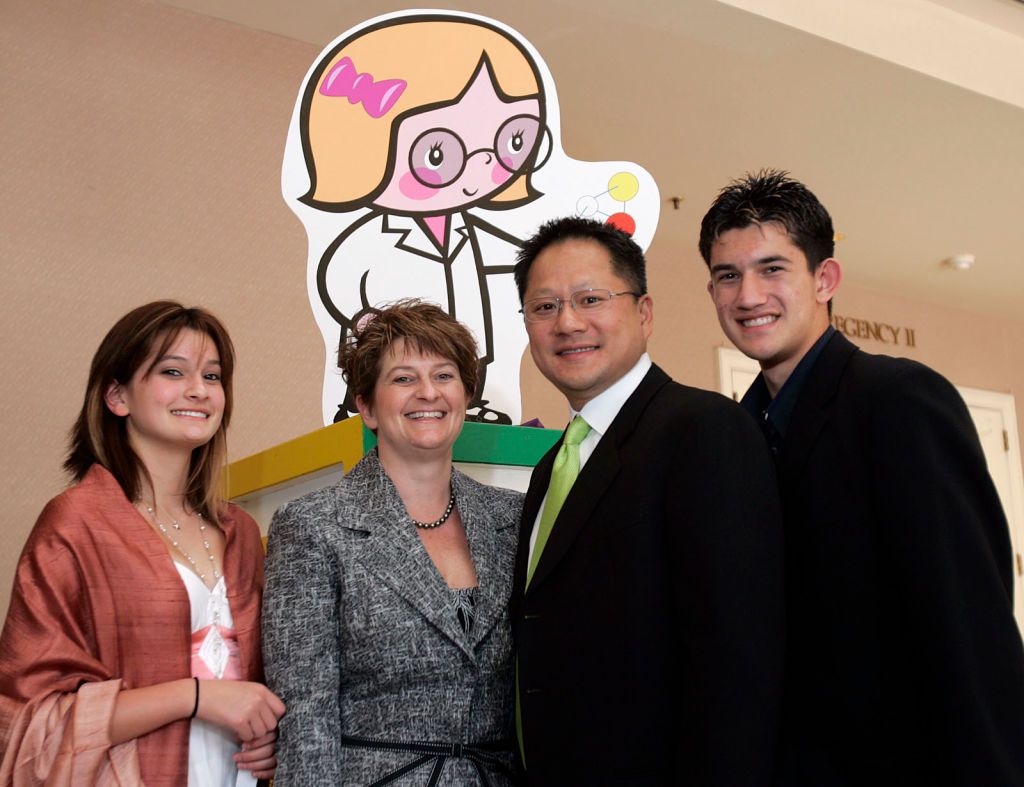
[(540, 309)]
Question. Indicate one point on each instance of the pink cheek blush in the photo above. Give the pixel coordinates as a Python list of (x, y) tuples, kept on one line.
[(499, 174), (413, 189)]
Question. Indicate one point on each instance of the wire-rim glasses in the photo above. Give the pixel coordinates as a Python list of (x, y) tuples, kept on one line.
[(591, 300)]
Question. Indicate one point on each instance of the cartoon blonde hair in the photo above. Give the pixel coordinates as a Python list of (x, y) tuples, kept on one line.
[(348, 151)]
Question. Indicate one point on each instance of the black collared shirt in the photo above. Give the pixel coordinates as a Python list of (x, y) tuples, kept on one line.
[(774, 414)]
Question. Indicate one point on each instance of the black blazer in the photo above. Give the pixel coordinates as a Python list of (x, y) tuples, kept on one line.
[(650, 640), (905, 665)]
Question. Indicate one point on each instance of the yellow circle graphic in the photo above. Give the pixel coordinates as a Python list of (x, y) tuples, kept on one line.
[(623, 186)]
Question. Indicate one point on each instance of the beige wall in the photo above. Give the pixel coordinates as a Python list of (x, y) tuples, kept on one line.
[(140, 151), (140, 148)]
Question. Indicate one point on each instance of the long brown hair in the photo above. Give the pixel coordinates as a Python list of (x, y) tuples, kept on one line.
[(100, 437)]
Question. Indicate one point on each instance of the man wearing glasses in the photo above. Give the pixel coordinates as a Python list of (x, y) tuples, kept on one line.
[(647, 603)]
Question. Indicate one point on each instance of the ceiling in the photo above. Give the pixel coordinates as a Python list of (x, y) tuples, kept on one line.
[(911, 130)]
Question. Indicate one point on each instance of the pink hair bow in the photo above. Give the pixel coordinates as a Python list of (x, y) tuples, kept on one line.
[(345, 81)]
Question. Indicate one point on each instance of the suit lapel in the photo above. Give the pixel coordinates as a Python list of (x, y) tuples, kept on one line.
[(394, 553), (813, 408), (595, 478)]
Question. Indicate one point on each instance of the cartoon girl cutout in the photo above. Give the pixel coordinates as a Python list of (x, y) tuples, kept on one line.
[(412, 122)]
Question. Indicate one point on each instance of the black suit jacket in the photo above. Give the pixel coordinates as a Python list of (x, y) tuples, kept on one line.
[(650, 639), (904, 665)]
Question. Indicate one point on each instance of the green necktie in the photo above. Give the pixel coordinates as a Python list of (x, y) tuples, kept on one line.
[(563, 476)]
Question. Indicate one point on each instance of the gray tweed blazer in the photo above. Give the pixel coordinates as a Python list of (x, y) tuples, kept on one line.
[(361, 635)]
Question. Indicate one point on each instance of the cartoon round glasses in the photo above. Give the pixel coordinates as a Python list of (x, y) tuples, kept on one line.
[(438, 157)]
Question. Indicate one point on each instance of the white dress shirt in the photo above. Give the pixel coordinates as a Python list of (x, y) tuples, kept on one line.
[(599, 413)]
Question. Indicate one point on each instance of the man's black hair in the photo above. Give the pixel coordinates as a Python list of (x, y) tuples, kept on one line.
[(626, 256), (771, 196)]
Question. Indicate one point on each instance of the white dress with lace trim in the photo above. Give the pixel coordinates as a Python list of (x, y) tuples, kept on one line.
[(214, 656)]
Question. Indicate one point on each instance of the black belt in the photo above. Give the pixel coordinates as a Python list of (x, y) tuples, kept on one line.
[(480, 754)]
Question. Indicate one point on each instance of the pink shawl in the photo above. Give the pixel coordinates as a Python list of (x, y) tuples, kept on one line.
[(98, 606)]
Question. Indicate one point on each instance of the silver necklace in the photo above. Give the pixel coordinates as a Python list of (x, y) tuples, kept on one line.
[(174, 543), (437, 522)]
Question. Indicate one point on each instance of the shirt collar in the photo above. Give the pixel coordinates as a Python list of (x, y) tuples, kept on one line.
[(412, 236), (396, 221), (779, 409), (600, 411)]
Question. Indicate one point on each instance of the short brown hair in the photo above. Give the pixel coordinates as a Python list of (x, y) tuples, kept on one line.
[(100, 437), (425, 327)]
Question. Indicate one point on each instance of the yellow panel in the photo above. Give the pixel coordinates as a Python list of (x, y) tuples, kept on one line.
[(341, 442)]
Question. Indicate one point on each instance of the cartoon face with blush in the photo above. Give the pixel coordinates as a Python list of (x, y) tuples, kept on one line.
[(450, 158)]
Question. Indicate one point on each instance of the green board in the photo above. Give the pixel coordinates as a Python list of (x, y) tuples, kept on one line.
[(494, 444)]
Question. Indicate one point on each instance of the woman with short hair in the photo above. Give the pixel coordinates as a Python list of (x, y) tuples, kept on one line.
[(386, 630)]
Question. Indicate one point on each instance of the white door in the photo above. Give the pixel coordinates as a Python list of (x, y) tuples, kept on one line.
[(736, 372), (994, 416)]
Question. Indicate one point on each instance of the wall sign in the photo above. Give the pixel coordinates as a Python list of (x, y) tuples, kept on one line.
[(856, 328)]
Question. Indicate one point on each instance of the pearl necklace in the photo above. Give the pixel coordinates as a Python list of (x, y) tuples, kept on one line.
[(438, 522), (174, 543)]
